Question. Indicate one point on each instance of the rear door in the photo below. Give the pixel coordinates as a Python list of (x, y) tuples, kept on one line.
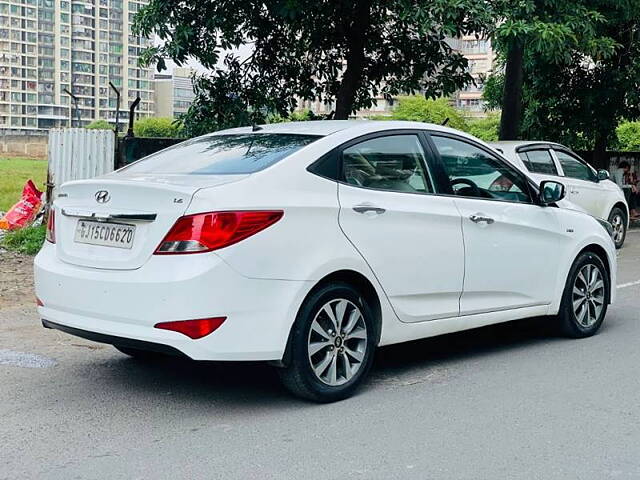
[(512, 245), (411, 238)]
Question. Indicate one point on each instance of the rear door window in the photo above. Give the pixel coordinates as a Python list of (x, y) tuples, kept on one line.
[(394, 163), (539, 161), (222, 154)]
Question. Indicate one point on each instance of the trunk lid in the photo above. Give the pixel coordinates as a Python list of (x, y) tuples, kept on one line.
[(150, 203)]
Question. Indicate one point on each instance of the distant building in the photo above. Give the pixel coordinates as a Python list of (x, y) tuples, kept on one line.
[(47, 46), (173, 93), (481, 57)]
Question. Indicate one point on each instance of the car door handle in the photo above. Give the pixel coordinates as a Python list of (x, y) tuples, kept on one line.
[(575, 191), (368, 208), (477, 218)]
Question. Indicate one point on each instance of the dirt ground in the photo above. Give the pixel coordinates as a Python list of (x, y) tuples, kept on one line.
[(16, 280)]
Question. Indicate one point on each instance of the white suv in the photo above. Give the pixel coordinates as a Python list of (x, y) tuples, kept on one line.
[(586, 187)]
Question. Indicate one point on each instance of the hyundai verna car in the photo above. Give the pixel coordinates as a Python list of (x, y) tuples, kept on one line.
[(308, 245), (588, 188)]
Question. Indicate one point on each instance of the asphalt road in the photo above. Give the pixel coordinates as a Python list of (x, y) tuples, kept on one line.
[(505, 402)]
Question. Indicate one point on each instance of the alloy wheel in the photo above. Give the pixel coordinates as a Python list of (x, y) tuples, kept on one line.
[(588, 295), (617, 222), (337, 342)]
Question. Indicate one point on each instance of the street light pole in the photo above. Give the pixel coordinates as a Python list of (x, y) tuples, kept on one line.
[(113, 87), (75, 106)]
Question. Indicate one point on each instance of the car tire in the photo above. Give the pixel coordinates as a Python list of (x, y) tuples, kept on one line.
[(618, 220), (139, 354), (585, 298), (325, 364)]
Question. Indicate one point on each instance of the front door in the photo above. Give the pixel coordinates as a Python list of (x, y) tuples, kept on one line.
[(581, 181), (512, 245), (411, 238)]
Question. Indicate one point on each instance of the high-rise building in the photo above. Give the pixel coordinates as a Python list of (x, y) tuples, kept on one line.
[(51, 47), (173, 93), (481, 58)]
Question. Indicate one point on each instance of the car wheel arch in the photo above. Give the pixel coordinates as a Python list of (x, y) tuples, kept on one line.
[(361, 283), (622, 207), (601, 253)]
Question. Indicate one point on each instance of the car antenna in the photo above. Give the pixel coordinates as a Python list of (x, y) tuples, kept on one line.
[(446, 120), (255, 128)]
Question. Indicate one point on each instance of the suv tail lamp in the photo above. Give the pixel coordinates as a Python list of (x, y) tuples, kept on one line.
[(205, 232), (193, 328), (51, 226)]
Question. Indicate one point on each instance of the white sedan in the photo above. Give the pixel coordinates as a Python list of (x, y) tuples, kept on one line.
[(310, 244), (588, 188)]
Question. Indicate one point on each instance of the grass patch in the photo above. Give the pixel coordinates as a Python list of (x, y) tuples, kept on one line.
[(28, 240), (14, 172)]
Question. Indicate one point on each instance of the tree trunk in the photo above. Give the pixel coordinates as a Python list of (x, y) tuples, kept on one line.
[(512, 100), (356, 38), (600, 160)]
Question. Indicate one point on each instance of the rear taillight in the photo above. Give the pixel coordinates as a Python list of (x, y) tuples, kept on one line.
[(193, 328), (205, 232), (51, 227)]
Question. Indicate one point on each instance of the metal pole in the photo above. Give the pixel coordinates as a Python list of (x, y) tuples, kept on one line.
[(113, 87), (75, 104), (132, 109)]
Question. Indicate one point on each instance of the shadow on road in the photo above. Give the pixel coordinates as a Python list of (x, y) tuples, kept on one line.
[(255, 386)]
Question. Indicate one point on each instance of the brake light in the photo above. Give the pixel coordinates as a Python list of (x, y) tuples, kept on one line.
[(51, 226), (205, 232), (193, 328)]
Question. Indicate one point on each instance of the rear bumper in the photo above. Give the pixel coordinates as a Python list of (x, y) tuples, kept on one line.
[(113, 340), (116, 306)]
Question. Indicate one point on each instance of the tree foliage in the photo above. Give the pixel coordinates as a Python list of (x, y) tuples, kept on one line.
[(628, 136), (157, 127), (485, 128), (582, 98), (548, 31), (420, 109), (100, 125), (347, 52)]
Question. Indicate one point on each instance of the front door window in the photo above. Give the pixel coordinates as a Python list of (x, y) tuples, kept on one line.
[(472, 172)]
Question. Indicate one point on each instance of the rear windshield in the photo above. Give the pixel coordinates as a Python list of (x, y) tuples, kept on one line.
[(222, 154)]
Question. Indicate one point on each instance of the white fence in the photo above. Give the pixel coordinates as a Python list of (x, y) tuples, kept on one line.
[(79, 153)]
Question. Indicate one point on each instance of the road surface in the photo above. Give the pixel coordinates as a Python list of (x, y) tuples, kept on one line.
[(506, 402)]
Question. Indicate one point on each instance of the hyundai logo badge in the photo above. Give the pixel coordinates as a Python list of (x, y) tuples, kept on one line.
[(102, 196)]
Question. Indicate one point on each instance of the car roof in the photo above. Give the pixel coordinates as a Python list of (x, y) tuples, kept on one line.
[(516, 144), (328, 127)]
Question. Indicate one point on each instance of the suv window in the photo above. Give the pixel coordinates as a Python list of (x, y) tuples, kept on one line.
[(222, 154), (539, 161), (475, 173), (573, 167), (393, 162)]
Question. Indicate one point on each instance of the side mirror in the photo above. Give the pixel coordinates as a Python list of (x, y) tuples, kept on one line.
[(551, 192), (603, 175)]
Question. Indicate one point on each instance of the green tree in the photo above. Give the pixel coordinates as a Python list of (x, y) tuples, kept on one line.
[(581, 99), (485, 128), (628, 136), (549, 32), (100, 125), (420, 109), (157, 127), (349, 52)]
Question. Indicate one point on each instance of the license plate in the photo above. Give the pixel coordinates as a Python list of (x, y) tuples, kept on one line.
[(105, 234)]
